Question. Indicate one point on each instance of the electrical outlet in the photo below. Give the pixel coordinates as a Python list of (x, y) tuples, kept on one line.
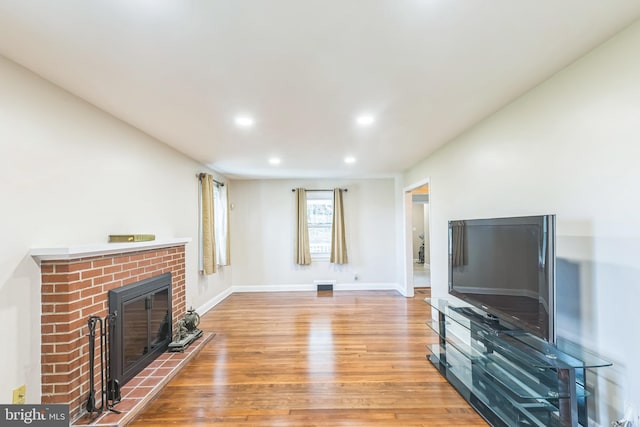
[(20, 395)]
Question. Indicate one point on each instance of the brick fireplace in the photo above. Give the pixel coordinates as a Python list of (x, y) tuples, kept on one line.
[(75, 285)]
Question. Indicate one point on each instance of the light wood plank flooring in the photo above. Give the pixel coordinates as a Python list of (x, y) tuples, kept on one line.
[(347, 358)]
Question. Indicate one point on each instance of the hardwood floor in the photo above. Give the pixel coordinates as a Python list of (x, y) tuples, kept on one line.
[(347, 358)]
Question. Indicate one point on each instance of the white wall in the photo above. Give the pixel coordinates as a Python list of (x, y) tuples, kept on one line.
[(262, 225), (71, 175), (569, 147)]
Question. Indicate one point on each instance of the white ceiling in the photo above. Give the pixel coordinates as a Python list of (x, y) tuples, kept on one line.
[(180, 70)]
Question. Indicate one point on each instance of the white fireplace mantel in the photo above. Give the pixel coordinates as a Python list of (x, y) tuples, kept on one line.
[(84, 251)]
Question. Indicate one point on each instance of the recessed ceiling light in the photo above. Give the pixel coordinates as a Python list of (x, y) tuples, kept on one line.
[(350, 159), (274, 161), (365, 120), (244, 121)]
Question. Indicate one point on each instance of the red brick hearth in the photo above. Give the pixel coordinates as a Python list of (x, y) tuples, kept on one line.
[(75, 285), (141, 390)]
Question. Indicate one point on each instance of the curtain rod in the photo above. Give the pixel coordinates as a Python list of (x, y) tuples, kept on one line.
[(343, 189), (201, 175)]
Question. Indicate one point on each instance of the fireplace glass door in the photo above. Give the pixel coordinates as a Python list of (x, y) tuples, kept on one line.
[(142, 327), (145, 325)]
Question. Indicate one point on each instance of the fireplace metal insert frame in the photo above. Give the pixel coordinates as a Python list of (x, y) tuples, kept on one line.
[(142, 328)]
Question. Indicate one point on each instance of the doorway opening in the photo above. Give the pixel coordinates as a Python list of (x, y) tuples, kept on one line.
[(418, 236)]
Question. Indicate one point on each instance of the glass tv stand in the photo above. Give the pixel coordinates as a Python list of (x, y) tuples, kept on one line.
[(509, 376)]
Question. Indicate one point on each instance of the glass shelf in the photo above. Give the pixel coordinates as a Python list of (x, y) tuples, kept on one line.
[(510, 376), (544, 385), (526, 347), (494, 397)]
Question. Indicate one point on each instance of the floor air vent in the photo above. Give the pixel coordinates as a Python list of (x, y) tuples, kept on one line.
[(324, 285)]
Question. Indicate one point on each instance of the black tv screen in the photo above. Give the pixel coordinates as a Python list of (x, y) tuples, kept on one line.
[(505, 267)]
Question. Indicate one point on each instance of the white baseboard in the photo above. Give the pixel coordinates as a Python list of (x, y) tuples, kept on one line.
[(214, 301), (354, 286), (364, 286), (274, 288)]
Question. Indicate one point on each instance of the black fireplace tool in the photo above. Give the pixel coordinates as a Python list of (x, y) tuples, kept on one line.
[(91, 401), (112, 392), (109, 388)]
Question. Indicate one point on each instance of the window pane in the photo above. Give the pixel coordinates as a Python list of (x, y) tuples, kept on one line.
[(319, 211), (220, 223), (320, 240), (319, 218)]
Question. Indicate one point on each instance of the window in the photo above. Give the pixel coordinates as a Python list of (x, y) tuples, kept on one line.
[(319, 219), (220, 221)]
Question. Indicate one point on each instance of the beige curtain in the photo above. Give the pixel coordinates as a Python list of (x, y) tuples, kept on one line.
[(208, 226), (457, 236), (338, 238), (302, 254)]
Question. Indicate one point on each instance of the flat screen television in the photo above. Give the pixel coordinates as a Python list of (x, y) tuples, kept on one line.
[(506, 268)]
